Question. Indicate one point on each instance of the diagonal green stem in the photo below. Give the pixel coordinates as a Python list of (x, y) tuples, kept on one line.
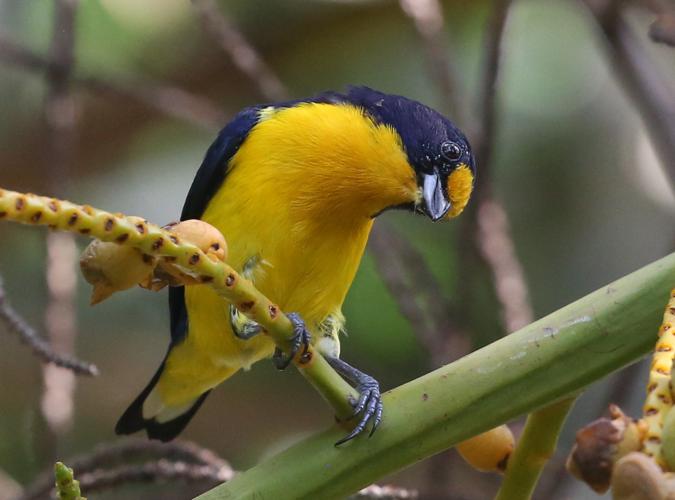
[(536, 445), (541, 363)]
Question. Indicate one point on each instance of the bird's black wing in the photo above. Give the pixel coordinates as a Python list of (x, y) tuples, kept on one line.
[(209, 178)]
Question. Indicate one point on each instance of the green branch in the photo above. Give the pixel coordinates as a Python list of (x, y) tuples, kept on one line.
[(536, 445), (541, 363)]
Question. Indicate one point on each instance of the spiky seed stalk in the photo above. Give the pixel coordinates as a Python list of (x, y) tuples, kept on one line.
[(659, 399), (158, 243)]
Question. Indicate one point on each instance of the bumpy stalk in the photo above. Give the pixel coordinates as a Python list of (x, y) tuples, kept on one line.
[(158, 243), (659, 399)]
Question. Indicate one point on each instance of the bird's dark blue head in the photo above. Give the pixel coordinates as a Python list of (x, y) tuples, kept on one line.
[(438, 151)]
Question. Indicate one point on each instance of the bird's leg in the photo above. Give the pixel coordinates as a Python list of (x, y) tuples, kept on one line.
[(369, 404), (242, 327), (301, 338)]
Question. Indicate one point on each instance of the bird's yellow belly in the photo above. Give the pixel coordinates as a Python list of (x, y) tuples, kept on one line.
[(310, 278)]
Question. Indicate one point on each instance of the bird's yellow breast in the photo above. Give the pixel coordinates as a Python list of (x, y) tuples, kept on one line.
[(297, 204)]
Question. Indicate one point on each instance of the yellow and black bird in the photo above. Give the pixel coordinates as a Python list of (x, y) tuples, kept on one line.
[(294, 188)]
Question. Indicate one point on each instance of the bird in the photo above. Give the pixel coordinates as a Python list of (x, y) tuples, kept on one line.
[(295, 188)]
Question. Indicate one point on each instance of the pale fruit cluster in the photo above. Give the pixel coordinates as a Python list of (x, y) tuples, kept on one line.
[(113, 267)]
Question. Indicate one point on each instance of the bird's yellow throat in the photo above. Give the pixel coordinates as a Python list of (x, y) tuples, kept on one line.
[(460, 186)]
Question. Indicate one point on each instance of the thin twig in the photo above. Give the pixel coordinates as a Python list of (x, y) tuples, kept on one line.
[(124, 451), (242, 53), (427, 17), (418, 295), (498, 250), (486, 232), (487, 94), (167, 99), (134, 449), (61, 117), (113, 461), (40, 347), (153, 472), (651, 94)]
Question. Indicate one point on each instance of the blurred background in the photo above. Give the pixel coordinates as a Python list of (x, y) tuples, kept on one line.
[(122, 122)]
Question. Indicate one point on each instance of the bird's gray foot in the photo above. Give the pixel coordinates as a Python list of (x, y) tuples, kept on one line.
[(301, 338), (368, 408)]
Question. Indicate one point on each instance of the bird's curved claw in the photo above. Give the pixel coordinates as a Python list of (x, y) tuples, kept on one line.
[(301, 338), (368, 408)]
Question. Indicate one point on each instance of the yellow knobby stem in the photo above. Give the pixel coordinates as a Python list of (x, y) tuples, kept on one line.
[(156, 242), (659, 399), (67, 487)]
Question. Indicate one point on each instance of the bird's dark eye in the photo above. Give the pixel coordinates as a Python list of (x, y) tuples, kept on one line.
[(451, 151)]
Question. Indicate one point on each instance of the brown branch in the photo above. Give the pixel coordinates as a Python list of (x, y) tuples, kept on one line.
[(497, 248), (427, 17), (167, 99), (487, 93), (418, 295), (242, 53), (126, 450), (651, 94), (154, 472), (109, 466), (61, 112), (486, 234), (40, 347)]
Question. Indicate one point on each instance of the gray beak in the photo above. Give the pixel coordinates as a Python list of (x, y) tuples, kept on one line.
[(436, 204)]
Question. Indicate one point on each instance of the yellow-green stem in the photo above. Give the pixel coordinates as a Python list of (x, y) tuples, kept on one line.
[(67, 488), (155, 241), (536, 445), (659, 400)]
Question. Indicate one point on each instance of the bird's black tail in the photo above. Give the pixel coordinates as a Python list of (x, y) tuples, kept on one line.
[(163, 423)]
